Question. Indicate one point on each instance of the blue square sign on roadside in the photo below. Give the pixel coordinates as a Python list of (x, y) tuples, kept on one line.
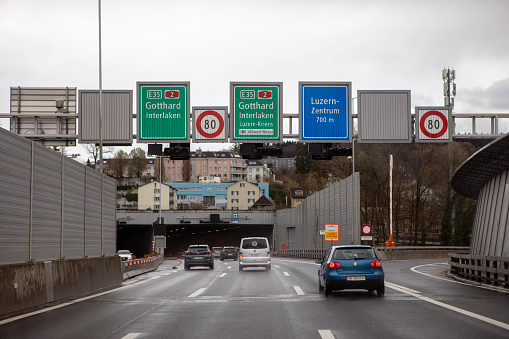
[(235, 217)]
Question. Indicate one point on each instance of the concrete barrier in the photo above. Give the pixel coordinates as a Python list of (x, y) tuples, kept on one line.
[(136, 267), (28, 286), (413, 254)]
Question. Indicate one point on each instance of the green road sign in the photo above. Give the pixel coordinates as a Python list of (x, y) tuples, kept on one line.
[(256, 112), (163, 111)]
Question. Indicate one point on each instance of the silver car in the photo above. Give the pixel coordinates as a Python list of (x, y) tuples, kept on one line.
[(125, 255), (254, 252)]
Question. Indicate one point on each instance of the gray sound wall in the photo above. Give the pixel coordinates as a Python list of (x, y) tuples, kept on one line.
[(299, 227), (52, 207)]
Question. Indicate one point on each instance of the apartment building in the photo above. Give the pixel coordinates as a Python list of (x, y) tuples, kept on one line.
[(154, 196), (242, 195)]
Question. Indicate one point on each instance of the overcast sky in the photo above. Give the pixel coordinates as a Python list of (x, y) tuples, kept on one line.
[(377, 45)]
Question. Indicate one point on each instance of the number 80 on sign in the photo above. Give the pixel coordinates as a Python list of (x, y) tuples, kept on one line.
[(432, 124), (209, 124)]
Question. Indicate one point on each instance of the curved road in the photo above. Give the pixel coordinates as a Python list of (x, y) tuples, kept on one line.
[(420, 302)]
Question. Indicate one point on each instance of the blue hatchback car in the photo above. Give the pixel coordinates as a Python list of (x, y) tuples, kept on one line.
[(351, 267)]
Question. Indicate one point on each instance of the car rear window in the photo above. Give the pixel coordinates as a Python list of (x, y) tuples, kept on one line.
[(353, 254), (258, 243)]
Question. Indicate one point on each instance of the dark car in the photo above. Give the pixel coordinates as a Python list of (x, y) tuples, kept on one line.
[(198, 255), (351, 267), (229, 252)]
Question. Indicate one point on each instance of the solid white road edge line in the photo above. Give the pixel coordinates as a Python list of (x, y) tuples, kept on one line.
[(449, 307)]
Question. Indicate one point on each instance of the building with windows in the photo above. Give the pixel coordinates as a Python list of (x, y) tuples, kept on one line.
[(199, 195), (298, 195), (154, 196), (242, 195)]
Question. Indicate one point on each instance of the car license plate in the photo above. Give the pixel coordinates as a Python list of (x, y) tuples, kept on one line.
[(198, 257), (255, 254), (355, 278)]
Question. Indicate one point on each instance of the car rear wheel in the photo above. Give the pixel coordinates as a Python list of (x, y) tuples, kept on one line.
[(186, 267), (240, 268), (380, 291), (326, 289), (269, 268), (211, 266), (222, 259), (320, 287)]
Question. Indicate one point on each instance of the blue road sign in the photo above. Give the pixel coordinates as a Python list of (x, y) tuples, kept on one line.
[(235, 217), (324, 111)]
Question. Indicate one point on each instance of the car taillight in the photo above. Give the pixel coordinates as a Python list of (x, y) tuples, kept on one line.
[(268, 254), (376, 264), (240, 254), (206, 252), (334, 264), (188, 253)]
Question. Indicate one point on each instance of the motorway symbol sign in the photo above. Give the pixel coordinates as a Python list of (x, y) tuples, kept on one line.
[(209, 124), (331, 232), (256, 111), (433, 124), (325, 111), (163, 111)]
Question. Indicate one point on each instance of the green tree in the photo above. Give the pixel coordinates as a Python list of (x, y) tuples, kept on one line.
[(137, 163), (118, 165)]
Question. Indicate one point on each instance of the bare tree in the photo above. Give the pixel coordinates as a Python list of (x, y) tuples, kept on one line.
[(94, 151), (186, 170)]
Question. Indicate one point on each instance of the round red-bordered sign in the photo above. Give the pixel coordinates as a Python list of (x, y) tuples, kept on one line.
[(366, 229), (219, 129), (439, 133)]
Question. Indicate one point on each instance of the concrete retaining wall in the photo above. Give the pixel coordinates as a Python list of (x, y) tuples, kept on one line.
[(31, 285), (414, 254)]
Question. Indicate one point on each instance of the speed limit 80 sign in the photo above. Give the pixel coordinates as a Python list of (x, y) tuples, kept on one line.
[(433, 124), (210, 124)]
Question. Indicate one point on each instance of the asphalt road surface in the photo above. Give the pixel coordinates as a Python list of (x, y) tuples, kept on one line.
[(420, 302)]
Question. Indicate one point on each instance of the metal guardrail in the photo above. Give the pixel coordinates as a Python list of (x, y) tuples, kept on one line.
[(486, 269)]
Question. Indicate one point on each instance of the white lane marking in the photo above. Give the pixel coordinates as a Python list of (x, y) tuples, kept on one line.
[(301, 262), (131, 336), (414, 269), (167, 273), (298, 290), (63, 305), (276, 266), (398, 287), (449, 307), (229, 267), (326, 334), (222, 275), (197, 293), (286, 273)]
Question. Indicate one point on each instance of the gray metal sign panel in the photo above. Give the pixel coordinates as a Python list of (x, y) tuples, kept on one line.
[(44, 114), (433, 124), (117, 117), (384, 116)]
